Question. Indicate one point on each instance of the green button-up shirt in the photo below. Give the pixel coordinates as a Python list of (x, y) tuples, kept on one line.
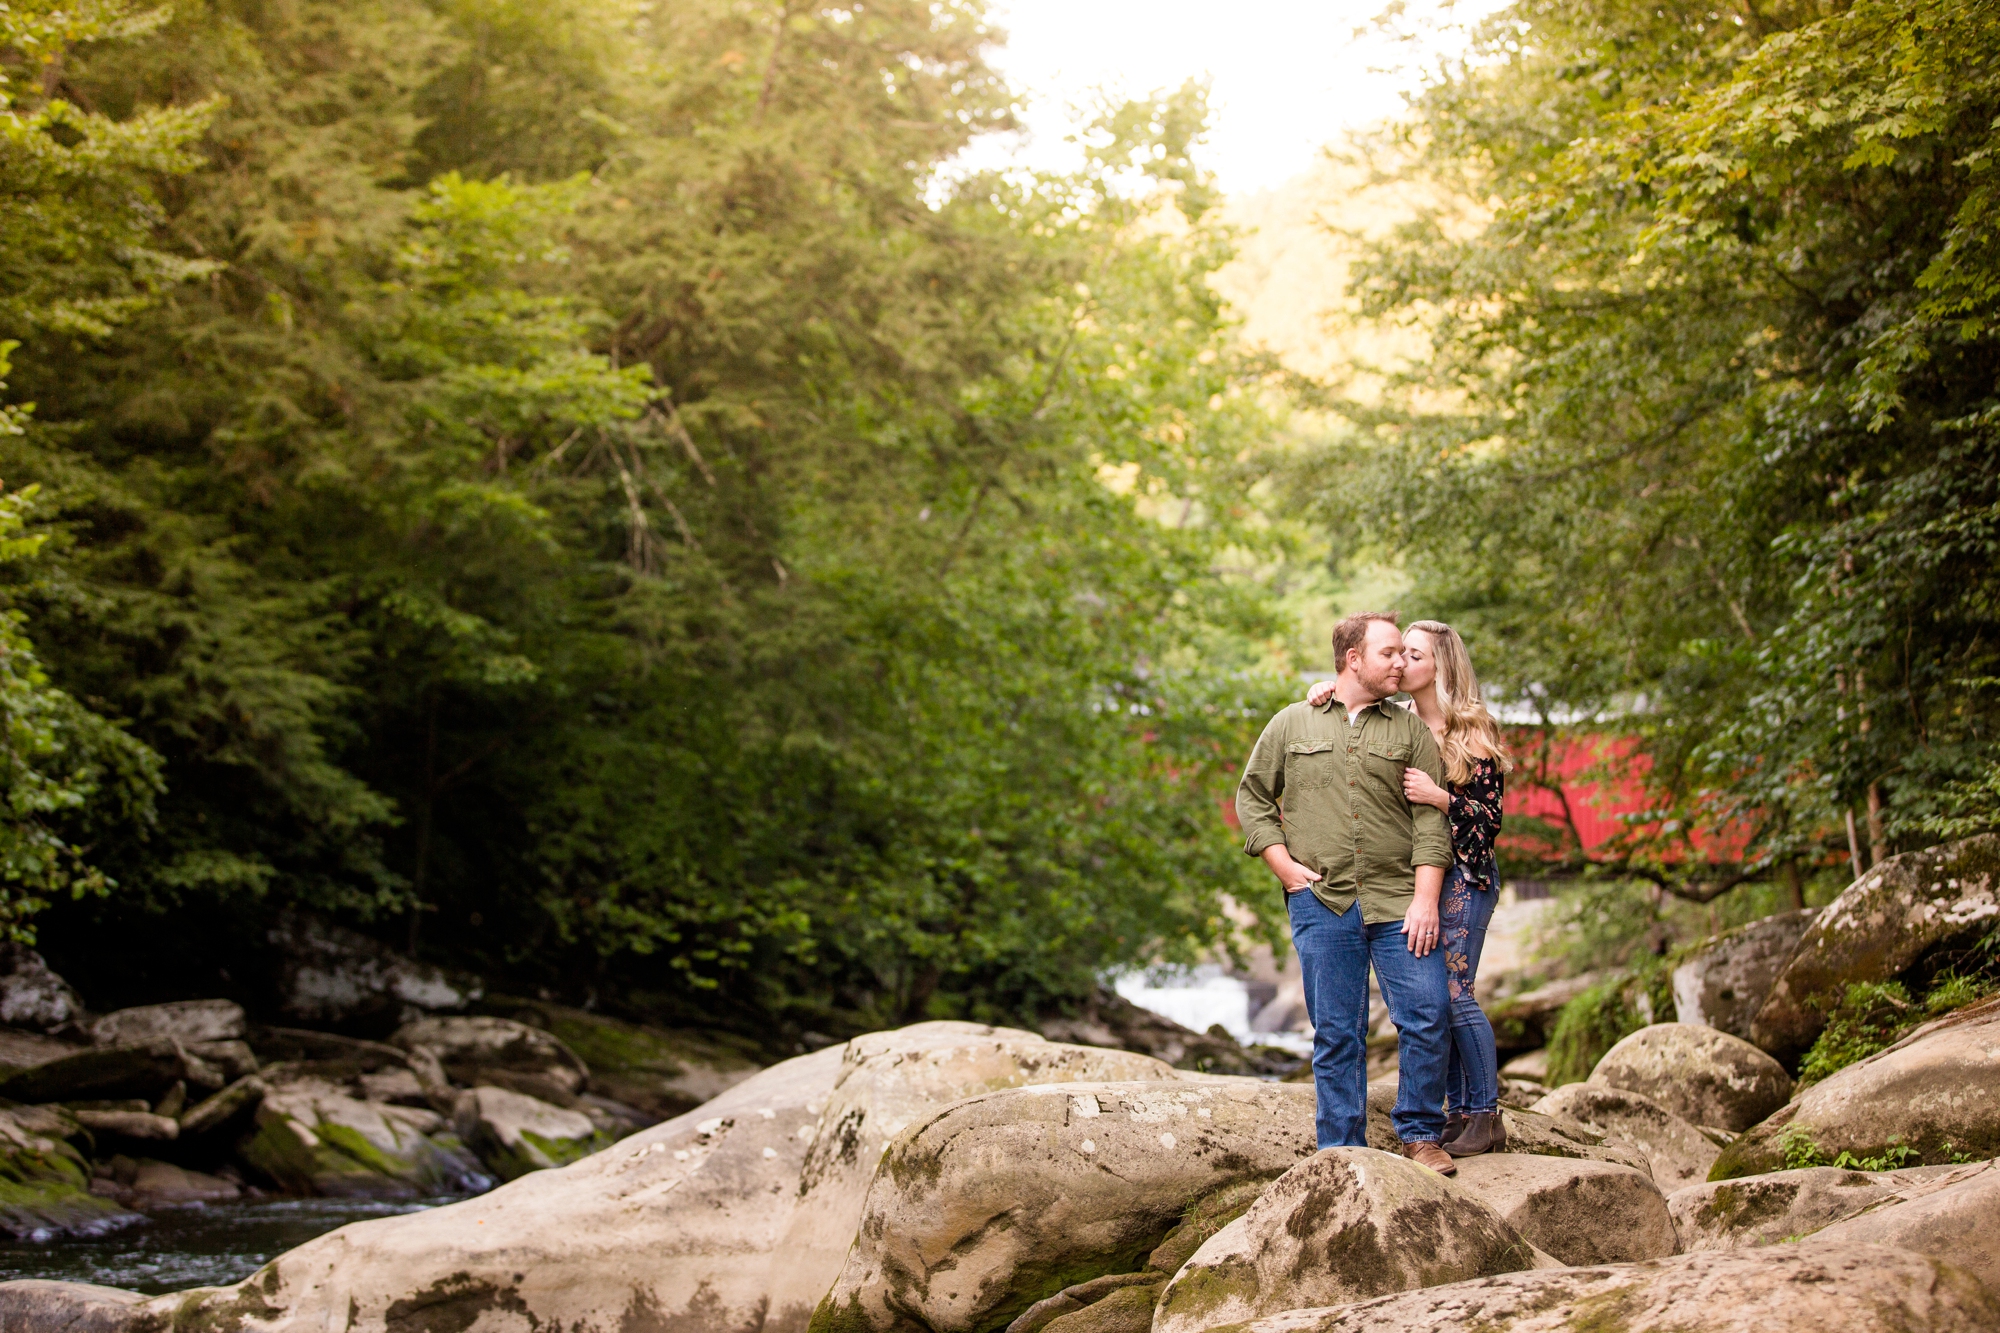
[(1333, 795)]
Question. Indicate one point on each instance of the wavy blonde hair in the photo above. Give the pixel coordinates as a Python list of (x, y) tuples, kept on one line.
[(1470, 732)]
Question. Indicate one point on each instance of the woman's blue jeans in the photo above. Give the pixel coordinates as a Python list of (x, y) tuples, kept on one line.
[(1472, 1071)]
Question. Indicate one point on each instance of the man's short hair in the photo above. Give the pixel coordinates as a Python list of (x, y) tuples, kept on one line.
[(1351, 635)]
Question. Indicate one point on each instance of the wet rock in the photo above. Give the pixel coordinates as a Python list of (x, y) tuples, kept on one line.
[(165, 1185), (309, 1137), (1581, 1212), (1724, 981), (891, 1080), (131, 1125), (991, 1204), (1344, 1225), (46, 1189), (1784, 1289), (1521, 1023), (144, 1070), (335, 977), (657, 1071), (486, 1050), (218, 1111), (1783, 1205), (32, 996), (1934, 1094), (1954, 1217), (1702, 1075), (186, 1021), (1886, 921), (515, 1134), (1677, 1153), (35, 1305)]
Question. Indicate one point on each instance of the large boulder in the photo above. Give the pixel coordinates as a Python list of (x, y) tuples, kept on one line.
[(1783, 1205), (1784, 1289), (660, 1071), (515, 1134), (1702, 1075), (37, 1305), (310, 1137), (330, 976), (1882, 924), (189, 1022), (1581, 1212), (45, 1182), (990, 1205), (1954, 1217), (1935, 1093), (1677, 1153), (681, 1226), (1344, 1225), (1722, 982), (500, 1052), (32, 996), (144, 1070)]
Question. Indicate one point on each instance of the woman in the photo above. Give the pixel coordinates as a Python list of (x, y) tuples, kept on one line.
[(1445, 692)]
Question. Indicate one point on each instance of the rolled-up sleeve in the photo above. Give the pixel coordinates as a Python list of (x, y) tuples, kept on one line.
[(1431, 845), (1261, 788)]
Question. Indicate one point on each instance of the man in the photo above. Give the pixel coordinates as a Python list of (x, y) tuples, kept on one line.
[(1321, 801)]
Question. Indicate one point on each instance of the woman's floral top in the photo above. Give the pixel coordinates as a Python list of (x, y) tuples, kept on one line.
[(1475, 821)]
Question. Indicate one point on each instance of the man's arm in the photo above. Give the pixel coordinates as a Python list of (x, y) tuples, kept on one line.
[(1258, 810)]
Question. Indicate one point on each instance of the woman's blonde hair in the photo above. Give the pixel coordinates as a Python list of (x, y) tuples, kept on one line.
[(1470, 732)]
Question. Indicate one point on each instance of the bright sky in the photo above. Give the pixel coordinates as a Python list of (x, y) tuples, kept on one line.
[(1288, 75)]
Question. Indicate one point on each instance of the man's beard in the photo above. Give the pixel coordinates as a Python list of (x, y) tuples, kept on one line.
[(1380, 684)]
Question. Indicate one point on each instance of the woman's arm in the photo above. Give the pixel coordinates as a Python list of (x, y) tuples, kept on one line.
[(1474, 812)]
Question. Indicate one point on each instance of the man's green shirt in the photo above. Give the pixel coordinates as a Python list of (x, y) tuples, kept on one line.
[(1333, 795)]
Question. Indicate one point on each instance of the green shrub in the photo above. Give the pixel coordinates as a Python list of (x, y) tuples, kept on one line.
[(1590, 1025), (1871, 1016)]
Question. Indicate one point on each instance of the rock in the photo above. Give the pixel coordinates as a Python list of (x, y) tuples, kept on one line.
[(32, 996), (1724, 981), (1521, 1023), (164, 1185), (1142, 1291), (682, 1222), (1784, 1289), (36, 1305), (309, 1137), (515, 1134), (1126, 1310), (1521, 1094), (486, 1050), (1935, 1093), (232, 1059), (332, 976), (1581, 1212), (131, 1125), (1344, 1225), (1954, 1217), (186, 1021), (45, 1183), (1677, 1153), (1700, 1074), (1883, 923), (22, 1050), (1540, 1134), (144, 1070), (655, 1070), (1783, 1205), (225, 1106), (996, 1202), (1109, 1020), (891, 1080), (1532, 1067), (399, 1087)]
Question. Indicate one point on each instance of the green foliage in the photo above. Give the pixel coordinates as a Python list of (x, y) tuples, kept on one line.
[(1590, 1025), (1717, 455), (614, 517), (1872, 1016), (1800, 1152)]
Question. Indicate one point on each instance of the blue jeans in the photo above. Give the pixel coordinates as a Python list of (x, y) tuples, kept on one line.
[(1472, 1074), (1334, 953)]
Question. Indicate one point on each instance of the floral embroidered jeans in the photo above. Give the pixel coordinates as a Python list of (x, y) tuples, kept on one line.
[(1472, 1066)]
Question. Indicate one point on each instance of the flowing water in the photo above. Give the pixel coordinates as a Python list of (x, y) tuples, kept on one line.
[(193, 1247)]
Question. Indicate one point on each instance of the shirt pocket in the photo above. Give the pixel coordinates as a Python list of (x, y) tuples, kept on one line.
[(1388, 759), (1310, 764)]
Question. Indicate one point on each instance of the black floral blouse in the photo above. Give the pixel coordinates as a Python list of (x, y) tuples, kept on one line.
[(1474, 815)]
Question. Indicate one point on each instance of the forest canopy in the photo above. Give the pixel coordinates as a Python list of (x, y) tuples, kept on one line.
[(574, 491)]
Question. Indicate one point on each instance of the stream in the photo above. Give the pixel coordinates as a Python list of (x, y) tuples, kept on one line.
[(201, 1246)]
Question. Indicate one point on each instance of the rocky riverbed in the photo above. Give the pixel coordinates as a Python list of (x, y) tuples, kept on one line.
[(957, 1178)]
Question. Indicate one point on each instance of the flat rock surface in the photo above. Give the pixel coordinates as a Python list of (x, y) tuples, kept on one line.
[(1954, 1216), (1835, 1288), (1582, 1212), (1677, 1153)]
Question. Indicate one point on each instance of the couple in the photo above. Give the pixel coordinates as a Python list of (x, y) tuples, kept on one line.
[(1379, 820)]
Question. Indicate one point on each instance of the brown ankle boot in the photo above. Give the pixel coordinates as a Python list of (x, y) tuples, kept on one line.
[(1454, 1125), (1484, 1132), (1425, 1153)]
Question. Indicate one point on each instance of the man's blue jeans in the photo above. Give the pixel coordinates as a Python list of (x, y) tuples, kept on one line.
[(1334, 953)]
